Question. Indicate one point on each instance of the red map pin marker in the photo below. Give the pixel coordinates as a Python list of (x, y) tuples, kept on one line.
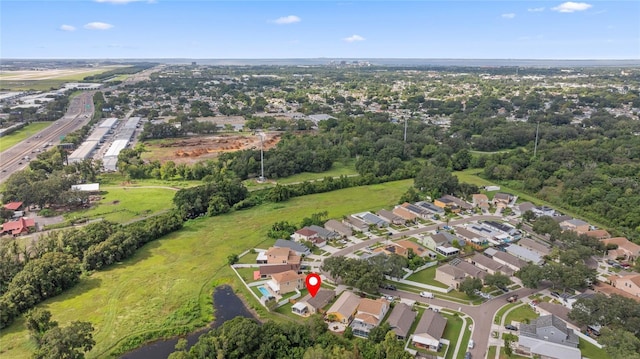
[(313, 283)]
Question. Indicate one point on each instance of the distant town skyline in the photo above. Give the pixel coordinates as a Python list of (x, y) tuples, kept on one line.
[(121, 29)]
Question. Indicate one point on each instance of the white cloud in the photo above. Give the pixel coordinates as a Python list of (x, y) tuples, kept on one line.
[(98, 26), (67, 28), (354, 38), (122, 1), (535, 9), (508, 16), (285, 20), (571, 6)]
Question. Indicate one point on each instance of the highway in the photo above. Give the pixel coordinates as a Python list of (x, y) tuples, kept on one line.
[(78, 114)]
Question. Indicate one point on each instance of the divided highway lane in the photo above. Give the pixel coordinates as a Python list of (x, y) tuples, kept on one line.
[(78, 114)]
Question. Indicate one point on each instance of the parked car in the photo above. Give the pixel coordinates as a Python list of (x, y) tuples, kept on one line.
[(555, 294), (467, 355), (504, 289), (427, 295), (512, 298), (510, 327), (388, 286), (471, 344)]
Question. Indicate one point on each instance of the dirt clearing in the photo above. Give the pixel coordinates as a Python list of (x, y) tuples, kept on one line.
[(194, 149)]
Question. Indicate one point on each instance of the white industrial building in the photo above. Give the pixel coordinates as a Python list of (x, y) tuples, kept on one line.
[(88, 147), (124, 135)]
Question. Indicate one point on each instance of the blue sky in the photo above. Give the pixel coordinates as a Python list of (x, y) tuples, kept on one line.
[(310, 29)]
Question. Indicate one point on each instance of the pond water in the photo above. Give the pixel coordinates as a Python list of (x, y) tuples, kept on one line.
[(227, 306)]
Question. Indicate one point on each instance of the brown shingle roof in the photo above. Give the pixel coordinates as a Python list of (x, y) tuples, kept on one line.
[(401, 319)]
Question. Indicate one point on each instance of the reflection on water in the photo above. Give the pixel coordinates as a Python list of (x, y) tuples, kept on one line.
[(227, 306)]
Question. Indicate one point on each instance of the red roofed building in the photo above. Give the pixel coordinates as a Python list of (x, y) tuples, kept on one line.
[(304, 234), (19, 226), (13, 206)]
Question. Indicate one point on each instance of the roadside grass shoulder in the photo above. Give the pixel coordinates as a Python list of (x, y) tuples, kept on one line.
[(133, 298), (521, 314), (22, 134), (502, 310)]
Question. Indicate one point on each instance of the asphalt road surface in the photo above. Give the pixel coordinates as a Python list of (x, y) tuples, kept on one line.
[(78, 114)]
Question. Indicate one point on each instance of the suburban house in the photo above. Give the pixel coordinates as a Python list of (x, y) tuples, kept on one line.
[(276, 260), (344, 308), (435, 240), (526, 206), (505, 228), (390, 217), (286, 282), (401, 319), (357, 224), (469, 269), (507, 259), (524, 254), (626, 249), (430, 207), (369, 314), (417, 249), (312, 305), (444, 202), (19, 226), (450, 275), (405, 214), (447, 251), (417, 210), (392, 248), (429, 331), (576, 225), (628, 283), (492, 267), (13, 206), (548, 337), (278, 255), (481, 201), (323, 233), (300, 249), (304, 234), (372, 220), (502, 199), (474, 239), (598, 234), (338, 227), (535, 246), (540, 211), (460, 203)]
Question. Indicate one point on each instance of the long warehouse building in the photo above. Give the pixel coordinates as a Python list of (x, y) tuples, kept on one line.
[(110, 159), (86, 149)]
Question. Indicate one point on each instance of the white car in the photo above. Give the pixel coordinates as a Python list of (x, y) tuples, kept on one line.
[(427, 295)]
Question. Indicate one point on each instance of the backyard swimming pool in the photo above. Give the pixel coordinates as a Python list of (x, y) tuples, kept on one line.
[(264, 292)]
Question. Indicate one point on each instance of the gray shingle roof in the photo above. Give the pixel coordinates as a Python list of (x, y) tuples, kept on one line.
[(401, 319)]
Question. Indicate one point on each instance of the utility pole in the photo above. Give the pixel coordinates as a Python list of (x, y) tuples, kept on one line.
[(261, 158), (405, 129), (535, 147)]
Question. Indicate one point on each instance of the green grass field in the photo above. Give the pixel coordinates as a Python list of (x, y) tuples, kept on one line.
[(338, 169), (125, 204), (169, 280), (591, 351), (502, 310), (520, 314), (20, 135), (427, 276)]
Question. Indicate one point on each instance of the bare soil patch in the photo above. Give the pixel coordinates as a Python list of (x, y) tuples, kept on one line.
[(194, 149)]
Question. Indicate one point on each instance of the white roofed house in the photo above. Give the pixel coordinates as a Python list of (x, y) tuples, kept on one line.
[(369, 315), (429, 330), (548, 337)]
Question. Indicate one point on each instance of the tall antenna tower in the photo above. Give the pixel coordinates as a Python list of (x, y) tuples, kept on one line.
[(261, 158), (405, 129), (535, 147)]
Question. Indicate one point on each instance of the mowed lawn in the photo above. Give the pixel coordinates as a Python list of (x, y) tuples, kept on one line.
[(125, 204), (20, 135), (427, 276), (175, 274)]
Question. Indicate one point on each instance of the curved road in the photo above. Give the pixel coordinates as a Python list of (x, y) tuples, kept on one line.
[(78, 114), (482, 314)]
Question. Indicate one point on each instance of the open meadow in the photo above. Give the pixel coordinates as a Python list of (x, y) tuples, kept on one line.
[(167, 284), (44, 80), (20, 135)]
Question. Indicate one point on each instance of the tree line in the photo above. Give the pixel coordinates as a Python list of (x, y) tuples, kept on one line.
[(241, 338), (58, 259)]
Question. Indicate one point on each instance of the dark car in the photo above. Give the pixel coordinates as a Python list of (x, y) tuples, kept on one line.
[(555, 294), (504, 289), (467, 355), (387, 286), (510, 327)]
